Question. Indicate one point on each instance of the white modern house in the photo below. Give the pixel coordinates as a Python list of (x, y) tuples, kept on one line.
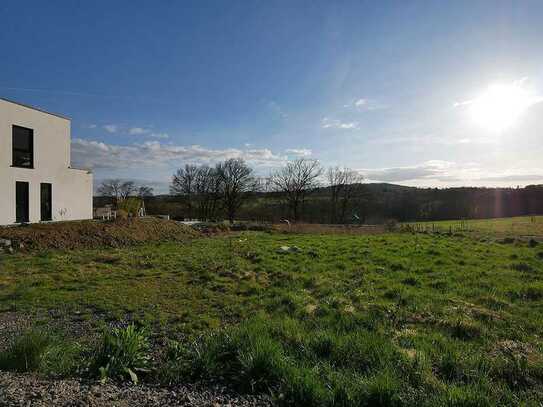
[(37, 182)]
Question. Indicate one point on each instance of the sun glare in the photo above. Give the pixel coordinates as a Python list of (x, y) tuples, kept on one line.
[(500, 106)]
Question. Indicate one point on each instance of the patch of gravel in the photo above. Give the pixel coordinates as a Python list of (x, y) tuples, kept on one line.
[(14, 323), (11, 325), (28, 390)]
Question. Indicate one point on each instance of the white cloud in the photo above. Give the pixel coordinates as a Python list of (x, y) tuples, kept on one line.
[(111, 128), (92, 126), (361, 102), (299, 152), (137, 131), (448, 173), (433, 168), (159, 135), (153, 154), (327, 123), (364, 104), (429, 139)]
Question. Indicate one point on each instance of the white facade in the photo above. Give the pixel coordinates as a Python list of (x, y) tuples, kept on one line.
[(71, 189)]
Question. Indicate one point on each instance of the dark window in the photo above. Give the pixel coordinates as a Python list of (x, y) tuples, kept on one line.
[(46, 201), (21, 202), (23, 147)]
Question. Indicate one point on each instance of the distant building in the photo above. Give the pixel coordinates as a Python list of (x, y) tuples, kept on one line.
[(37, 182)]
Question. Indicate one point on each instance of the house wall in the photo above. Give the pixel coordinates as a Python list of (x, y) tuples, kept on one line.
[(71, 188)]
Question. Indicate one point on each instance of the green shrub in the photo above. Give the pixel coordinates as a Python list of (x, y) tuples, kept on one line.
[(37, 351), (26, 352), (122, 354), (63, 359), (130, 206)]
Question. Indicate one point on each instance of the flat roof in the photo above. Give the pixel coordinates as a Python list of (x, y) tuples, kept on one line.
[(35, 108)]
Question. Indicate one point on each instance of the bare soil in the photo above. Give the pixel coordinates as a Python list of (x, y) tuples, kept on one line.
[(95, 234)]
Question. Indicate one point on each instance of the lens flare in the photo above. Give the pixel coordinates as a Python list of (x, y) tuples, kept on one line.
[(500, 106)]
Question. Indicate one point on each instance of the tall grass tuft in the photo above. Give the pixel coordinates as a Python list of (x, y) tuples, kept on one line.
[(37, 351), (26, 352), (122, 354)]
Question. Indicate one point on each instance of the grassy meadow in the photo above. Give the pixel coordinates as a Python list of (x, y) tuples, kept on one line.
[(514, 227), (338, 320)]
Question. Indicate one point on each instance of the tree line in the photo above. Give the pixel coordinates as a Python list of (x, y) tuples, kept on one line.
[(221, 191), (303, 190)]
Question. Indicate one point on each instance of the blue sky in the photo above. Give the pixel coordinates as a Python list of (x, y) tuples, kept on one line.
[(385, 88)]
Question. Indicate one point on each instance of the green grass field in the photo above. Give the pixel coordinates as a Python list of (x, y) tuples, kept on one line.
[(515, 227), (390, 319)]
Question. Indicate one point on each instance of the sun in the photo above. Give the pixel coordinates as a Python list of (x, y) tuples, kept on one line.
[(500, 106)]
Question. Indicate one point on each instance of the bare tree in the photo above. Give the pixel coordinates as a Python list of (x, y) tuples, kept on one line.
[(110, 188), (236, 179), (183, 184), (207, 189), (295, 181), (342, 183), (144, 191), (127, 189), (116, 189)]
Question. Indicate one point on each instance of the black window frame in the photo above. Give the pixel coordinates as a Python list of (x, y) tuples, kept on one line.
[(14, 150)]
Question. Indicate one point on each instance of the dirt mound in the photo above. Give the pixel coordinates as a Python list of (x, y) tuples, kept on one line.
[(94, 234)]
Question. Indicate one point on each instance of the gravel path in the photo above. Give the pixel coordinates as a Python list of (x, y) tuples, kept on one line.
[(28, 390)]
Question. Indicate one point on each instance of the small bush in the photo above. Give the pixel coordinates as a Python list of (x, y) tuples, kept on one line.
[(122, 354), (26, 352), (36, 351), (130, 206)]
